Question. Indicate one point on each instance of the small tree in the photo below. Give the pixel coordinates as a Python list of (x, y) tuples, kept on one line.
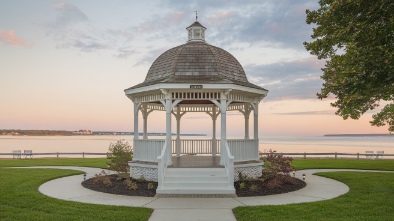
[(119, 154), (277, 170)]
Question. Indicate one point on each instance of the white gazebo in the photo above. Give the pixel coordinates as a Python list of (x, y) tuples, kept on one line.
[(196, 77)]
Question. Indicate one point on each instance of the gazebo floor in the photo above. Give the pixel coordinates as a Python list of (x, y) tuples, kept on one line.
[(193, 161)]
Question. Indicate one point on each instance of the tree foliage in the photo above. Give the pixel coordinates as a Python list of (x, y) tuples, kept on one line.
[(356, 37), (119, 154)]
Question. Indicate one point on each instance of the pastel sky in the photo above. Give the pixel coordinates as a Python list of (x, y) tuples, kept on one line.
[(65, 64)]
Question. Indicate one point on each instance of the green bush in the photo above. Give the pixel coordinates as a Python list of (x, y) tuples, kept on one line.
[(119, 154)]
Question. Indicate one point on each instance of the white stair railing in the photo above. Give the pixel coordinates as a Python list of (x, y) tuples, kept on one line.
[(244, 150), (147, 150), (229, 165), (162, 166)]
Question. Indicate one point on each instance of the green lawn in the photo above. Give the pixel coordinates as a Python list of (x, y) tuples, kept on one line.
[(83, 162), (301, 164), (21, 200), (371, 197)]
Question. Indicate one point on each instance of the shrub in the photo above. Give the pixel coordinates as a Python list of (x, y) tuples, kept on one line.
[(102, 178), (242, 185), (119, 154), (130, 184), (277, 169), (242, 177), (150, 186), (253, 188), (141, 179)]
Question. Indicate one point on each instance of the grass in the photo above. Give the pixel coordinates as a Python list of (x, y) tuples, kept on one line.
[(83, 162), (21, 200), (301, 164), (371, 197)]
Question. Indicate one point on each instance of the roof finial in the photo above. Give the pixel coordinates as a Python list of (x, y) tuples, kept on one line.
[(196, 11)]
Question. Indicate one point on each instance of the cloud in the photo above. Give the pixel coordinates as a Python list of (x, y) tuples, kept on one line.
[(150, 56), (324, 112), (67, 14), (278, 23), (9, 38), (72, 28), (124, 53), (298, 79)]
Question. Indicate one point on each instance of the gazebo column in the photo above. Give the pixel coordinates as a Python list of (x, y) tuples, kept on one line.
[(214, 116), (168, 104), (178, 115), (223, 125), (256, 120), (246, 112), (145, 112), (136, 109), (223, 133), (214, 143)]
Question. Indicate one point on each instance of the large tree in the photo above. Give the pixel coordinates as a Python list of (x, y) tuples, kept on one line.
[(356, 38)]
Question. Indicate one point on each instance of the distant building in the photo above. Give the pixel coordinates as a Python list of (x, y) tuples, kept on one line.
[(82, 132)]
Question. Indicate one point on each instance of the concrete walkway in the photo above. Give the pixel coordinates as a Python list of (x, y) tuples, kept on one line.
[(318, 188)]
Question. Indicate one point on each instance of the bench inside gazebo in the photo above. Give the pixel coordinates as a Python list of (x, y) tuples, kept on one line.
[(196, 77)]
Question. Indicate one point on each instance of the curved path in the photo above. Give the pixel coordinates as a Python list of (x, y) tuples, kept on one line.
[(318, 188)]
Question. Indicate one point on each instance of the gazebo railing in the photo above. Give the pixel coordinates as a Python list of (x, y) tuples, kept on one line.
[(190, 146), (147, 150), (244, 149), (241, 149)]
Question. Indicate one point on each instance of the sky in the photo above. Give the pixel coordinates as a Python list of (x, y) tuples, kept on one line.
[(64, 65)]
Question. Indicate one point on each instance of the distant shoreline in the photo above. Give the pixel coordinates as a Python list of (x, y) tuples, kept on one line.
[(5, 132), (359, 135)]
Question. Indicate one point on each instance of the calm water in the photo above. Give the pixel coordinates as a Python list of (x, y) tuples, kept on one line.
[(99, 144)]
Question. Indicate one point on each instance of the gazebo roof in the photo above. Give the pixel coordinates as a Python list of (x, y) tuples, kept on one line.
[(196, 62)]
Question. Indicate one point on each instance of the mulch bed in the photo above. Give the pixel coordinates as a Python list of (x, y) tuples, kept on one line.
[(259, 187), (250, 188), (119, 187)]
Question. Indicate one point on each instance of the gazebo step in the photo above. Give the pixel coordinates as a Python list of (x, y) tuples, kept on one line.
[(196, 172), (196, 184), (195, 181), (195, 190)]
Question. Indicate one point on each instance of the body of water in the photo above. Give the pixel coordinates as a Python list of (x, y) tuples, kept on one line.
[(99, 144)]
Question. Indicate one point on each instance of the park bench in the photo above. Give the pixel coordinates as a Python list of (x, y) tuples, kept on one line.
[(28, 153), (379, 154), (16, 154), (369, 154)]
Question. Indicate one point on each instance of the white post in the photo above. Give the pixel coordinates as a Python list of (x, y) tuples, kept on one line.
[(178, 131), (223, 109), (246, 126), (256, 121), (145, 118), (214, 117), (136, 108), (168, 106)]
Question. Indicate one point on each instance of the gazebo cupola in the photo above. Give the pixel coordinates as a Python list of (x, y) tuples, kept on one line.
[(196, 32), (195, 77)]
